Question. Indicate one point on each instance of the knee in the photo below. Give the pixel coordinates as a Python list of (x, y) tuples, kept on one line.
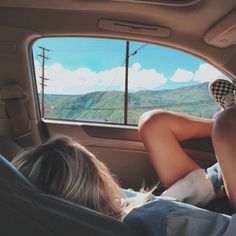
[(225, 124), (151, 120)]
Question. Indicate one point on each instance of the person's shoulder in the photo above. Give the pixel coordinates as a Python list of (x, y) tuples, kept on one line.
[(151, 218), (159, 207)]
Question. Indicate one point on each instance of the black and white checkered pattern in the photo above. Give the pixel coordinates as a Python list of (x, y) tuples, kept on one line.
[(219, 88), (223, 92)]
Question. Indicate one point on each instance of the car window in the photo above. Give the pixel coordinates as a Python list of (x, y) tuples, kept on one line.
[(115, 81)]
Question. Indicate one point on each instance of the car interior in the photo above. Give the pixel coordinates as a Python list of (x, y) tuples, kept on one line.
[(205, 29)]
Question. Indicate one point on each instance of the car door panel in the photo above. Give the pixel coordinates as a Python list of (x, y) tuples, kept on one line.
[(122, 150)]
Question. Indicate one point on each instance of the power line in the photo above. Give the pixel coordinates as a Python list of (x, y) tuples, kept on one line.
[(43, 78), (134, 52)]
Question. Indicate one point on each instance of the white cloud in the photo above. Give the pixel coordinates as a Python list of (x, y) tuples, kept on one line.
[(207, 73), (145, 78), (84, 80), (204, 73), (182, 75)]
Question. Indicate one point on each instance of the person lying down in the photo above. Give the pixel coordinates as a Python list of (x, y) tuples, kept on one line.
[(63, 167)]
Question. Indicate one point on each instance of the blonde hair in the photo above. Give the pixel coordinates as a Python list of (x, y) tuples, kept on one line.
[(64, 168)]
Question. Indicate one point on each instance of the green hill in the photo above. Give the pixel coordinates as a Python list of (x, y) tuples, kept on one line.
[(109, 106)]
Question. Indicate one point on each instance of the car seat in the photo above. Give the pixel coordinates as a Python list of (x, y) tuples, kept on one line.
[(9, 148), (25, 210)]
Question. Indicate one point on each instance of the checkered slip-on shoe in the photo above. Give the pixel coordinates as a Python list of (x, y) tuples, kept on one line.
[(224, 92)]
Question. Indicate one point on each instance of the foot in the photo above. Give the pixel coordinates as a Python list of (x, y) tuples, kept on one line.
[(224, 92)]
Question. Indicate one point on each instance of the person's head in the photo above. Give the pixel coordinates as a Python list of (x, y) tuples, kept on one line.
[(64, 168)]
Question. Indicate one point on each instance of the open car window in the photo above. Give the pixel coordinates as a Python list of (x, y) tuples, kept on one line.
[(115, 81)]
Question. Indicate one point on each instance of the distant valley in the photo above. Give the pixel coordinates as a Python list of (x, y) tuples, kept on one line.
[(109, 106)]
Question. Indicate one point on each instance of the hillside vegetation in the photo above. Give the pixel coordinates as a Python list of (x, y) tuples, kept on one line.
[(109, 106)]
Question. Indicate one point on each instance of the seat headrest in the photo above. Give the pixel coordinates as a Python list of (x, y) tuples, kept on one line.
[(36, 213), (11, 176), (9, 148)]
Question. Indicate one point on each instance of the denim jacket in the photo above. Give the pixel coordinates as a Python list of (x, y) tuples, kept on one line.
[(162, 217)]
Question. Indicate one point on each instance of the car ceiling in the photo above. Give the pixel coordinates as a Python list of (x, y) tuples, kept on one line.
[(188, 23)]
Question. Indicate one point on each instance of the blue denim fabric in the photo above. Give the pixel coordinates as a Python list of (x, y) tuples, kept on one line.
[(214, 174), (130, 194), (151, 218)]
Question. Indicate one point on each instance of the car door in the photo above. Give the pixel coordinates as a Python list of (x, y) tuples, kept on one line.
[(95, 89)]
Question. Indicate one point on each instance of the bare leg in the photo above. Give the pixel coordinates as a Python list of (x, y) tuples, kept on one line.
[(224, 141), (161, 132)]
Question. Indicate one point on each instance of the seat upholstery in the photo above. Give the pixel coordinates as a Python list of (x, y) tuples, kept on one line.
[(25, 210), (9, 148)]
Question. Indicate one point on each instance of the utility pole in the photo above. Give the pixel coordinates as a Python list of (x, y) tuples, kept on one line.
[(126, 83), (126, 63), (43, 85)]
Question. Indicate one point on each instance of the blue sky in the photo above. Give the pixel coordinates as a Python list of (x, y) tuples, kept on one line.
[(81, 65)]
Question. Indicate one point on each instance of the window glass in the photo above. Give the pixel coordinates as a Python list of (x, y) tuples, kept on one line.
[(164, 78), (84, 78), (114, 81)]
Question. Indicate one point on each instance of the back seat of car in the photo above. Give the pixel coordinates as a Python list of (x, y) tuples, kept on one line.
[(25, 210), (9, 148), (36, 213)]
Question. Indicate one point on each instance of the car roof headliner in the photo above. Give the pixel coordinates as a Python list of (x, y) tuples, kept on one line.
[(188, 24), (196, 18)]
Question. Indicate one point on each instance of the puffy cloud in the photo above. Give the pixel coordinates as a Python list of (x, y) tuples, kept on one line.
[(207, 73), (84, 80), (204, 73), (140, 79), (182, 75)]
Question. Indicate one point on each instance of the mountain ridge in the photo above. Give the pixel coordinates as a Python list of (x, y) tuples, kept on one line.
[(108, 106)]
